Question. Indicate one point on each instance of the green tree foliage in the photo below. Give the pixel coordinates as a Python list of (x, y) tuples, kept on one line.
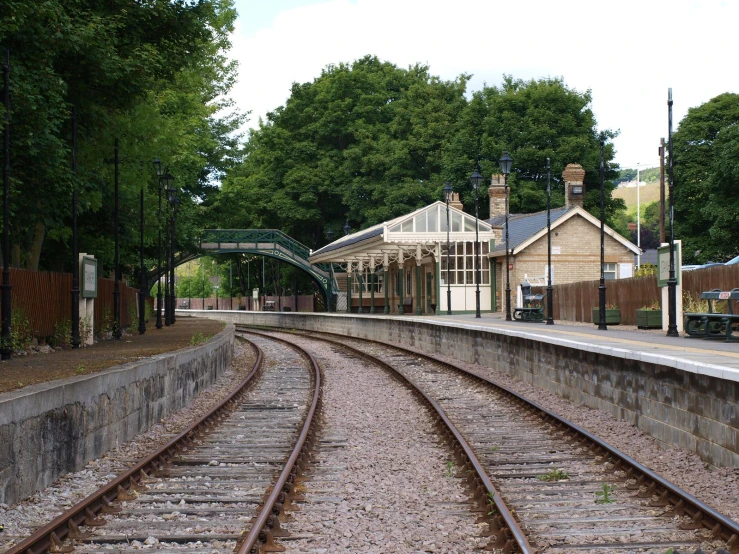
[(370, 141), (533, 120), (153, 74), (362, 142), (706, 149)]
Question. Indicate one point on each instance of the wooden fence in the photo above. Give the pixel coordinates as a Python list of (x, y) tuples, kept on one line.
[(45, 299), (575, 301)]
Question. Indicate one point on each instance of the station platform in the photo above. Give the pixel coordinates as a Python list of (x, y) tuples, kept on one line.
[(708, 357)]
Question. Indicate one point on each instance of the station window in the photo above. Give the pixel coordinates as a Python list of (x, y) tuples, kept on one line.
[(462, 264), (609, 271)]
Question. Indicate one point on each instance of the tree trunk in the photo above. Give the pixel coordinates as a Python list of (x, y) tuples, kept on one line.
[(38, 241)]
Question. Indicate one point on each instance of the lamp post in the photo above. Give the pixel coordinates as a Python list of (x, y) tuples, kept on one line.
[(75, 246), (347, 229), (448, 191), (550, 289), (142, 268), (671, 281), (5, 345), (160, 174), (116, 269), (602, 286), (476, 180), (506, 162), (330, 236), (174, 202)]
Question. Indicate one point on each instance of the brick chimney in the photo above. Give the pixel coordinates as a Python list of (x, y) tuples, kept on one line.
[(497, 196), (574, 176), (455, 203)]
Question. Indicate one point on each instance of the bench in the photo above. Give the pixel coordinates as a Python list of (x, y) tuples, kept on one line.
[(712, 325), (533, 309)]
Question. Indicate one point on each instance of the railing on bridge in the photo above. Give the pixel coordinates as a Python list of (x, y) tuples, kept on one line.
[(272, 242)]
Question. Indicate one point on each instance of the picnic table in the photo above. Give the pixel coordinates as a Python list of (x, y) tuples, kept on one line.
[(532, 310), (712, 324)]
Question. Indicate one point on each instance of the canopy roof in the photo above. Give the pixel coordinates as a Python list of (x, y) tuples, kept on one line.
[(412, 235)]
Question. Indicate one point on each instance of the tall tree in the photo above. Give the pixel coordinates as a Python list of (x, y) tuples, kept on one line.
[(705, 172)]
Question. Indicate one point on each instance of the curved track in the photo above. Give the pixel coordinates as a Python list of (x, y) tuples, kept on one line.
[(566, 489), (204, 489)]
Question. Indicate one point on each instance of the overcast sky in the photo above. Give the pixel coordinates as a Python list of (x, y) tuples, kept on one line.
[(627, 52)]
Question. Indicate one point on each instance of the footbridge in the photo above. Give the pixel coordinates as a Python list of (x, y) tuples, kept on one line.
[(271, 243)]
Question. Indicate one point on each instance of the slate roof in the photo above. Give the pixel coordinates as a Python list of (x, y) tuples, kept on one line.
[(523, 226), (354, 238)]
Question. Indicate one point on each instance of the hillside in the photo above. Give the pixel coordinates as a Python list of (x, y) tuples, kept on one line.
[(648, 193)]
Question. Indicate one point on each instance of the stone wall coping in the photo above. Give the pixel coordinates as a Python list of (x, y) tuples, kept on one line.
[(711, 368), (42, 397)]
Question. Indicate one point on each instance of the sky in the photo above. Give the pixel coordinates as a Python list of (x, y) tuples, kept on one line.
[(626, 52)]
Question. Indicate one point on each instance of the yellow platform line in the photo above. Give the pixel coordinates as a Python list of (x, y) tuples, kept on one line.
[(620, 340)]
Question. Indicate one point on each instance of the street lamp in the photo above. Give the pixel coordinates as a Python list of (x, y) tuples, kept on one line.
[(330, 236), (347, 227), (5, 344), (174, 202), (160, 173), (671, 280), (448, 191), (506, 162), (476, 181), (602, 286), (75, 245), (550, 289), (117, 271)]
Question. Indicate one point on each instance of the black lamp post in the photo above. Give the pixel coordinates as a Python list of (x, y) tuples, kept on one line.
[(5, 346), (671, 280), (506, 162), (550, 289), (476, 181), (602, 286), (142, 268), (75, 245), (174, 202), (448, 191), (330, 236), (160, 173), (117, 283)]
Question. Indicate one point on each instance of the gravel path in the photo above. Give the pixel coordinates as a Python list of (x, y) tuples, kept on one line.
[(380, 482), (717, 487), (21, 519)]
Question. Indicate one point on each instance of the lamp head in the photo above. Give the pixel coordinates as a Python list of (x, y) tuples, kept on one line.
[(167, 181), (448, 190), (329, 234), (347, 227), (158, 167), (506, 162), (476, 178)]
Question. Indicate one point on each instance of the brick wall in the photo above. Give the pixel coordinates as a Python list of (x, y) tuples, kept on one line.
[(579, 258)]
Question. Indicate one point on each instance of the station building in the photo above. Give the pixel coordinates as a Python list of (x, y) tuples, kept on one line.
[(403, 266)]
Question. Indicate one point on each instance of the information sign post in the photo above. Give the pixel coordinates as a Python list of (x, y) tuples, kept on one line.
[(88, 293)]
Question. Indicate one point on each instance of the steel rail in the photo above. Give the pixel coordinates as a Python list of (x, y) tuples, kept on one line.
[(683, 503), (51, 536), (266, 524), (485, 492)]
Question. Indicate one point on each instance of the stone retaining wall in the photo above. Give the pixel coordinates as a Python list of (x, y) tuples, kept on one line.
[(680, 406), (50, 429)]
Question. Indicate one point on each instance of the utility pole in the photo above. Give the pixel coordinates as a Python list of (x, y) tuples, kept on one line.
[(662, 238)]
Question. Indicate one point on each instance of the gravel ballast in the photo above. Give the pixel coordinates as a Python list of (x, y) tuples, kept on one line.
[(381, 481), (21, 519)]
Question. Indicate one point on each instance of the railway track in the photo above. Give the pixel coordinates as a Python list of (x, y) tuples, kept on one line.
[(217, 487), (564, 489)]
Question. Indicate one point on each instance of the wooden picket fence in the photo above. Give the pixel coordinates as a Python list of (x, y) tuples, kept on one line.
[(575, 301), (44, 298)]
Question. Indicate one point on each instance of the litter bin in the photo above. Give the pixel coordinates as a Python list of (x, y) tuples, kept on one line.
[(287, 309)]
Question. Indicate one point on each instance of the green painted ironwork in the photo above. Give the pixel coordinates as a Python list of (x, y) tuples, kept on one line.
[(266, 242)]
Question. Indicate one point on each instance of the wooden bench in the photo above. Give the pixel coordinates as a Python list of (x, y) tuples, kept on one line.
[(533, 312), (712, 325)]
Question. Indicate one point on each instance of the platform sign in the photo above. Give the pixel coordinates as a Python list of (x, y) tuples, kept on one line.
[(255, 294), (89, 278), (663, 264)]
